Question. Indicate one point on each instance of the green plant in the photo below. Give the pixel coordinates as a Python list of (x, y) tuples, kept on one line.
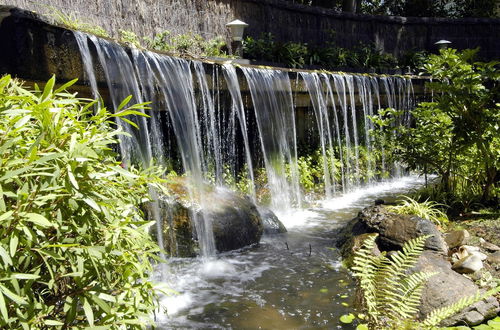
[(189, 43), (74, 244), (428, 210), (130, 38), (456, 135), (71, 21), (391, 296), (159, 42)]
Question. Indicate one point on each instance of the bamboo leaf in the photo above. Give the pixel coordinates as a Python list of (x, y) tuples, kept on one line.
[(39, 220), (88, 311)]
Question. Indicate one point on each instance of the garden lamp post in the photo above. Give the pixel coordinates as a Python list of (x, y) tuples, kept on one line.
[(442, 44), (237, 28)]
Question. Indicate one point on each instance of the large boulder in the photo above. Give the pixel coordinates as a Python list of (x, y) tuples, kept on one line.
[(393, 229), (236, 222), (447, 287), (272, 225)]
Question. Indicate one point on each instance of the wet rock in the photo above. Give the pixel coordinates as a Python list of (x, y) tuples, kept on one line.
[(468, 265), (447, 287), (457, 238), (235, 220), (351, 246), (394, 229), (272, 225), (177, 230), (379, 201)]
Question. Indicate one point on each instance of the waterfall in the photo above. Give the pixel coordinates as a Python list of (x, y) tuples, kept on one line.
[(318, 99), (202, 113), (331, 98), (174, 79), (340, 86), (273, 105), (238, 110)]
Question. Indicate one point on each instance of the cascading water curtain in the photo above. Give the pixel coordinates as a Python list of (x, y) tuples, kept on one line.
[(209, 136), (274, 111)]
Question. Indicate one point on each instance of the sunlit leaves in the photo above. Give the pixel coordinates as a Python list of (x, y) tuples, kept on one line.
[(74, 246)]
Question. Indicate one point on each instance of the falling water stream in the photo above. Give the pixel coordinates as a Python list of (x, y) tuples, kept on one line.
[(292, 280)]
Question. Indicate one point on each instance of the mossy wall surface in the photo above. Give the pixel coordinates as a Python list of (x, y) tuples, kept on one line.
[(285, 20)]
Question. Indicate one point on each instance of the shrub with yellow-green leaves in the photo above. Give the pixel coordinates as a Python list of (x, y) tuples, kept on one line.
[(74, 246)]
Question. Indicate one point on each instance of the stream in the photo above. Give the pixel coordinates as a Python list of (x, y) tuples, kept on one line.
[(288, 281)]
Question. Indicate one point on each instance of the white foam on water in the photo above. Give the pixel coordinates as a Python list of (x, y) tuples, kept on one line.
[(297, 217), (217, 269), (353, 198)]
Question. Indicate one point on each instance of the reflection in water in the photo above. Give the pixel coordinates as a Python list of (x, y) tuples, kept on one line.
[(289, 281)]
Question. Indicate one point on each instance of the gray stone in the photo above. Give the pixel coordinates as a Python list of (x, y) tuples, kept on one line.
[(272, 225), (236, 221), (394, 229), (447, 287), (457, 238), (353, 245), (488, 246), (473, 317), (468, 265), (494, 258)]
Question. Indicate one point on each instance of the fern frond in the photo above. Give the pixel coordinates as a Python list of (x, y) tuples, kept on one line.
[(438, 315), (365, 267), (392, 288), (411, 292)]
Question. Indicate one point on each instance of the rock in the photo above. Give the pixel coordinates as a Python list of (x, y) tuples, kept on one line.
[(446, 288), (236, 221), (177, 231), (272, 225), (379, 201), (468, 265), (353, 245), (470, 249), (457, 238), (394, 229), (494, 258), (488, 246)]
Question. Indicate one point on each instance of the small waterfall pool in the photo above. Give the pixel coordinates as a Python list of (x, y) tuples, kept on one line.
[(288, 281)]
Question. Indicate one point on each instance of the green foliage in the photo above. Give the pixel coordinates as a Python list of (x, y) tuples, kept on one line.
[(391, 296), (74, 244), (426, 210), (130, 38), (71, 21), (329, 56), (455, 135), (187, 44)]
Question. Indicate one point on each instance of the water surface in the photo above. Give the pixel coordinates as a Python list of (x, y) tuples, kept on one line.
[(288, 281)]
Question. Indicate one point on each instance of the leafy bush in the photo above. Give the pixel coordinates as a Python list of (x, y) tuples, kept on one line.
[(74, 245), (427, 210), (130, 38), (455, 135), (391, 296), (189, 43), (329, 56)]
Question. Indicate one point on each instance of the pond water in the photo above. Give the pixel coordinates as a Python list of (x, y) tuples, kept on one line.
[(288, 281)]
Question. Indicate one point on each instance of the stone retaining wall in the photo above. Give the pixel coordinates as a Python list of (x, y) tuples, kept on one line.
[(287, 21)]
